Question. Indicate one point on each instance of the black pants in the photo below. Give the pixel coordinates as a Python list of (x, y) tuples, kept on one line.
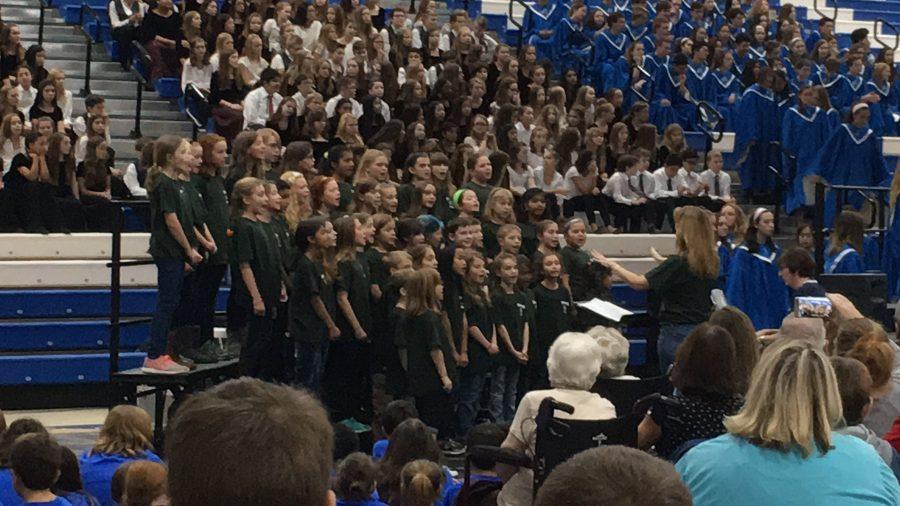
[(588, 204), (436, 410), (665, 208), (36, 209), (97, 213), (348, 381), (72, 211), (259, 350), (124, 36), (629, 218), (198, 300)]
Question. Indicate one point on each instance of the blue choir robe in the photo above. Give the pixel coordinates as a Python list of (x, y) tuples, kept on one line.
[(681, 110), (573, 45), (686, 27), (740, 62), (753, 136), (852, 156), (846, 261), (754, 287), (803, 131), (871, 252), (609, 47), (653, 63), (636, 33), (616, 74), (890, 260), (796, 85), (725, 249), (724, 85), (623, 6), (642, 93), (813, 37), (699, 83), (539, 18), (857, 88), (758, 53), (839, 93), (881, 118)]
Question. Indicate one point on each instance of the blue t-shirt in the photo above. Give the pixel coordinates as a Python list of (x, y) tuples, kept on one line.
[(730, 470), (59, 501), (97, 470), (8, 495), (379, 449), (370, 502)]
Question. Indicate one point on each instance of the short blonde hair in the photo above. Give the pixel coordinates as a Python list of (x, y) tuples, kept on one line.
[(793, 400), (574, 361), (614, 350)]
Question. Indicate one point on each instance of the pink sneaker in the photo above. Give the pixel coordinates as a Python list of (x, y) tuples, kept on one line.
[(162, 364)]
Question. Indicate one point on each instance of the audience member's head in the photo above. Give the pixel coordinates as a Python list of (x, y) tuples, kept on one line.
[(484, 434), (613, 475), (127, 430), (411, 440), (250, 442), (705, 361), (420, 483), (395, 413), (746, 345), (346, 441), (69, 473), (793, 400), (17, 428), (810, 330), (855, 386), (35, 460), (117, 483), (614, 348), (866, 341), (574, 361), (145, 484), (355, 480)]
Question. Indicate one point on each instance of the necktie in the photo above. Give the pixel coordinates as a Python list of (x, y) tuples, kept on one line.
[(271, 107), (669, 184), (716, 190), (641, 183)]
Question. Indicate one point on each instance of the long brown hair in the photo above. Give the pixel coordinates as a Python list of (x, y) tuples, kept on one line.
[(849, 229), (127, 430), (164, 150), (228, 72), (421, 291), (696, 241), (54, 163), (345, 226), (208, 143)]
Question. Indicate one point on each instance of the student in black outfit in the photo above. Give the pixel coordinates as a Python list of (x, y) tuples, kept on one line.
[(227, 90), (798, 270), (422, 330), (512, 308), (94, 185), (28, 181), (45, 105), (553, 313), (312, 302), (348, 388), (61, 165)]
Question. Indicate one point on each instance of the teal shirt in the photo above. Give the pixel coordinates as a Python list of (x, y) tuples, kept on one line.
[(730, 470)]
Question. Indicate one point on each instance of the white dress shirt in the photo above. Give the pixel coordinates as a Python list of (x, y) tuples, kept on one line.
[(256, 107), (618, 188), (131, 181), (662, 184), (649, 183), (518, 181), (524, 134), (709, 178), (690, 181), (332, 104), (26, 98), (114, 20), (197, 75), (7, 153)]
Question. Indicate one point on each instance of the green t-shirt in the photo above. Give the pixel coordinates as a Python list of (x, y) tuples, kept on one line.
[(169, 196), (480, 316), (286, 245), (252, 244), (212, 189), (684, 297), (585, 276), (421, 337)]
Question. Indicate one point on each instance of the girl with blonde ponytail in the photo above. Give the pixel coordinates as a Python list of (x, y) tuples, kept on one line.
[(420, 483)]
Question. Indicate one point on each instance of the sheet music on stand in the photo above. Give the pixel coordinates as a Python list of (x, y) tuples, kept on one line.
[(605, 309)]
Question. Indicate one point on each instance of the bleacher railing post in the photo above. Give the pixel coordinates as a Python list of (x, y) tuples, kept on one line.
[(115, 291), (87, 69), (819, 226), (41, 25), (136, 132)]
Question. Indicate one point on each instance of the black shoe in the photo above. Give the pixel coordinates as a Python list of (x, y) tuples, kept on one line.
[(198, 356), (213, 349), (452, 448)]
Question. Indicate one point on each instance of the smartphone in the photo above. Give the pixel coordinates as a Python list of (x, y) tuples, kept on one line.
[(812, 307)]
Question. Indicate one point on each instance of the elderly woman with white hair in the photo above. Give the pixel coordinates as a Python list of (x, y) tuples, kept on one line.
[(574, 361), (614, 349)]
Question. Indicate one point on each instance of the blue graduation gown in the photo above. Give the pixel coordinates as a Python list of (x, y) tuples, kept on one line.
[(839, 93), (725, 84), (890, 260), (871, 254), (616, 74), (609, 48), (881, 119), (682, 111), (740, 62), (573, 44), (699, 82), (803, 131), (725, 249), (539, 18), (846, 261), (754, 133), (856, 87), (753, 286), (852, 156), (636, 32)]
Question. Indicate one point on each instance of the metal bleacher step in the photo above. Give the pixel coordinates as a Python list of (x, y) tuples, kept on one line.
[(31, 16), (62, 368), (82, 303), (68, 335)]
